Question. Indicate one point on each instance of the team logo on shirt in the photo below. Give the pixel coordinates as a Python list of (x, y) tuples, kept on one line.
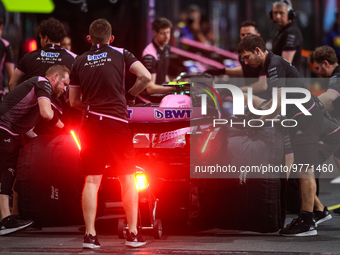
[(97, 57), (49, 54)]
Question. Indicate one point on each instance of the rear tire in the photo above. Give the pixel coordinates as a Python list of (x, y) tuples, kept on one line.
[(157, 229), (122, 231)]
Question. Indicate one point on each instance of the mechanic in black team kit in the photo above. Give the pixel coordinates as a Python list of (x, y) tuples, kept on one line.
[(155, 58), (326, 65), (51, 32), (19, 112), (304, 136), (97, 87)]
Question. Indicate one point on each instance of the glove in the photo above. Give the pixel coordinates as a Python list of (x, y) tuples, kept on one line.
[(130, 99), (215, 72)]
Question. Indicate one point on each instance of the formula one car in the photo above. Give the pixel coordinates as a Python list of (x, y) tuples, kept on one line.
[(170, 140)]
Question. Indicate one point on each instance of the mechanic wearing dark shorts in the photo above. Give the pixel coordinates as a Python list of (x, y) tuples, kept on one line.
[(304, 137), (97, 87), (22, 108), (326, 65)]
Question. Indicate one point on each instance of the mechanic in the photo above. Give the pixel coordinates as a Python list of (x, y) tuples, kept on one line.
[(51, 32), (326, 65), (19, 112), (97, 87), (7, 60), (156, 59), (288, 41), (304, 137), (251, 74)]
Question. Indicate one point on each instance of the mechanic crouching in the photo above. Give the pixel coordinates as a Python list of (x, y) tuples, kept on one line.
[(20, 111)]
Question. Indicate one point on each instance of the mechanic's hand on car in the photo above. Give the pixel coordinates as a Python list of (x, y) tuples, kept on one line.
[(130, 99), (215, 72)]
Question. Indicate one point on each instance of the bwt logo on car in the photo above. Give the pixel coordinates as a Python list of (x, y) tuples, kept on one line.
[(96, 57), (238, 106), (172, 114), (49, 54)]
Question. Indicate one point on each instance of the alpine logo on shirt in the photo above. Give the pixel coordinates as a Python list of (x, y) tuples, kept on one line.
[(49, 57), (49, 54), (97, 59)]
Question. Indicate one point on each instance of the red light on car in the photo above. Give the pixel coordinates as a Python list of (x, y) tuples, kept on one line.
[(75, 138), (141, 180)]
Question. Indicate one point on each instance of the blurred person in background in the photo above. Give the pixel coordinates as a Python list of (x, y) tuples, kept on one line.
[(7, 60), (156, 58), (193, 28), (66, 43)]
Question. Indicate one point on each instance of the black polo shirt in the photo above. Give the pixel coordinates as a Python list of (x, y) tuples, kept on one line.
[(19, 112), (289, 38), (37, 62), (280, 73), (100, 74), (6, 57)]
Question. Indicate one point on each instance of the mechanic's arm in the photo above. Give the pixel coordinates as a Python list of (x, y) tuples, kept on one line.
[(269, 105), (47, 113), (9, 70), (153, 88), (16, 79), (257, 101), (233, 71), (259, 86), (75, 97), (327, 99), (288, 55), (143, 78)]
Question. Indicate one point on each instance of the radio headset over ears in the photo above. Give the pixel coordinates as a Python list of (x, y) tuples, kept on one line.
[(291, 12)]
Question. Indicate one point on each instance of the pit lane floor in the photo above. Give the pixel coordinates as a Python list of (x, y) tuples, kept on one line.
[(68, 240)]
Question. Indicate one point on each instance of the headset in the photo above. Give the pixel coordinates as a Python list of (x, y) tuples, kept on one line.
[(291, 12)]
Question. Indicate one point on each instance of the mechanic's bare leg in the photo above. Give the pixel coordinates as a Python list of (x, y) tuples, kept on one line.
[(4, 206), (89, 202), (307, 190), (15, 209), (318, 206), (130, 200)]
